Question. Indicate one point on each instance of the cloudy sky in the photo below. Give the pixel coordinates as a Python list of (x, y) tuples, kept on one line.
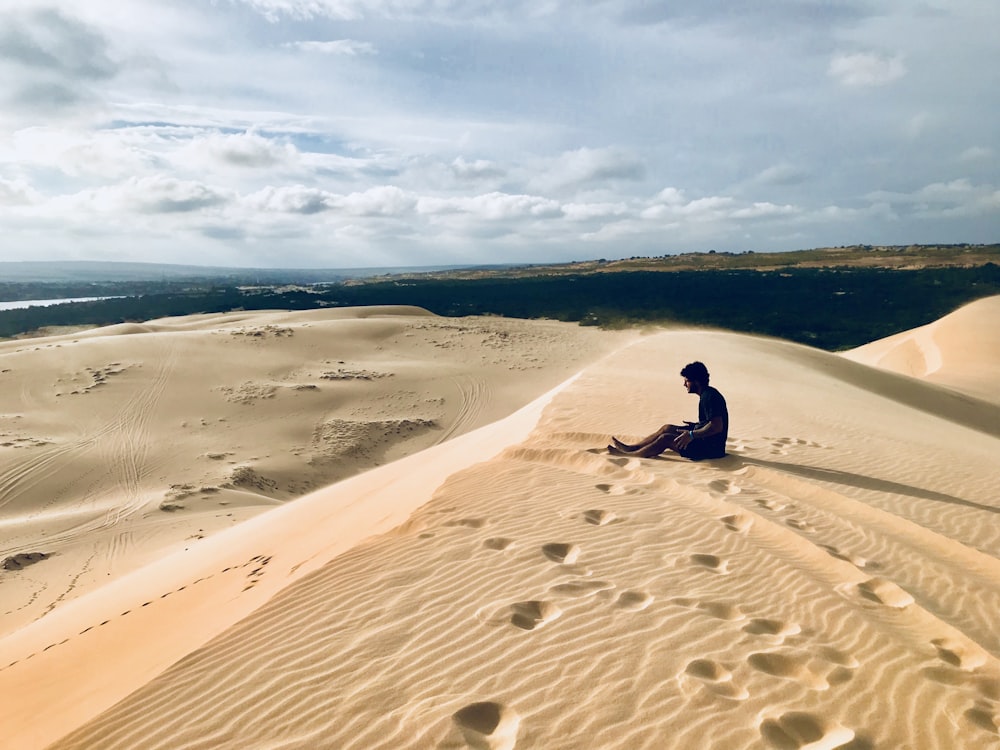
[(347, 133)]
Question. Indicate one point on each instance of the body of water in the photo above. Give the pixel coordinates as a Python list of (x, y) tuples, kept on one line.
[(18, 304)]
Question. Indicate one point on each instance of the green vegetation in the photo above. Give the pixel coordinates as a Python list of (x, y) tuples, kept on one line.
[(831, 308)]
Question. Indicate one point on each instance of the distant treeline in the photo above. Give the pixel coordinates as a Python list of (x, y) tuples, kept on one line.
[(829, 308)]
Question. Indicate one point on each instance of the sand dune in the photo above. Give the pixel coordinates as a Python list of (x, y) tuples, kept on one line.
[(833, 583), (961, 350), (122, 444)]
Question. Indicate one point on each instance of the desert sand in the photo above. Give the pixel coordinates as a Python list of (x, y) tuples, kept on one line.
[(379, 528)]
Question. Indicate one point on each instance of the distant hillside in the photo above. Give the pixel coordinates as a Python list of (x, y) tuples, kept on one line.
[(897, 257), (889, 257)]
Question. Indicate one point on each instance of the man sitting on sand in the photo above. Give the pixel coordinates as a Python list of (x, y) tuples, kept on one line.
[(705, 438)]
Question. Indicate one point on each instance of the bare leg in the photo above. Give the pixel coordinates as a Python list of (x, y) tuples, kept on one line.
[(665, 442), (668, 429)]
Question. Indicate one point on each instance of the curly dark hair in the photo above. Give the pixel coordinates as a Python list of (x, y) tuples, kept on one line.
[(696, 371)]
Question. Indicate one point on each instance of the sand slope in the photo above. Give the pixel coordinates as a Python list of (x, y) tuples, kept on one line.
[(961, 350), (834, 582), (122, 444)]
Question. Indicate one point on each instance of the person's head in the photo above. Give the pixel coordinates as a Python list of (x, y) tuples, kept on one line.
[(696, 375)]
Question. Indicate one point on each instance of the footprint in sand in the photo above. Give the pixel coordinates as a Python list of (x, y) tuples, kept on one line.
[(716, 678), (634, 601), (855, 560), (842, 665), (713, 563), (488, 725), (984, 715), (884, 591), (561, 553), (737, 522), (796, 730), (612, 489), (769, 503), (630, 464), (839, 675), (838, 657), (599, 517), (794, 666), (777, 629), (498, 543), (725, 487), (533, 614), (718, 610), (471, 523), (957, 676), (581, 588), (803, 526), (965, 656), (988, 687)]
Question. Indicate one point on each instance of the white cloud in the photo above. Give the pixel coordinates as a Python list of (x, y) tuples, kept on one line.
[(483, 131), (780, 174), (104, 154), (345, 10), (52, 65), (153, 195), (670, 196), (475, 170), (977, 154), (384, 200), (427, 10), (594, 211), (242, 150), (349, 47), (866, 69), (46, 41), (917, 125), (293, 199), (588, 166), (493, 206), (17, 193), (670, 204), (955, 199), (763, 209)]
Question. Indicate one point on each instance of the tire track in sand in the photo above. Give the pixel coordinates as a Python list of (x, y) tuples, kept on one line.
[(127, 446), (474, 394), (23, 476), (124, 444)]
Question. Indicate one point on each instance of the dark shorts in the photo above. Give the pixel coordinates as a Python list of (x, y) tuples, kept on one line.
[(699, 450)]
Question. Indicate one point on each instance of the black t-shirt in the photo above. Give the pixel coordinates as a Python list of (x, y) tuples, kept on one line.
[(712, 404)]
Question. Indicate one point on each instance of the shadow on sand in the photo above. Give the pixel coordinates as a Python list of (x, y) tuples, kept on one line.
[(861, 481)]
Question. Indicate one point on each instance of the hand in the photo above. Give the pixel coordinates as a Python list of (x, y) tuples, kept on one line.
[(683, 440)]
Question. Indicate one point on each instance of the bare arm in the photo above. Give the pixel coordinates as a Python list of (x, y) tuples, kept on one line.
[(712, 428), (684, 439)]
